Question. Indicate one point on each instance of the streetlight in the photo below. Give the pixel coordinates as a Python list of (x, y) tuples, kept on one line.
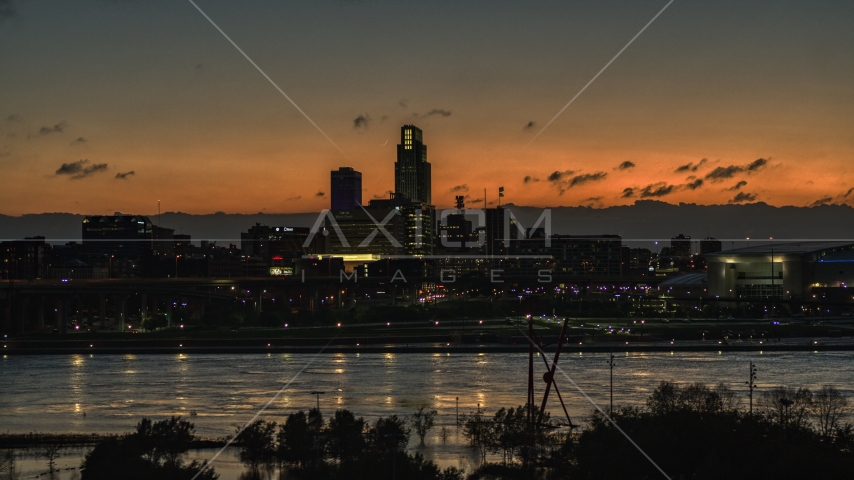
[(318, 394), (176, 265), (110, 273), (786, 404), (751, 384)]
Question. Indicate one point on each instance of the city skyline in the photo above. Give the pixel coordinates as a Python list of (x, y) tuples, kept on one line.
[(713, 104)]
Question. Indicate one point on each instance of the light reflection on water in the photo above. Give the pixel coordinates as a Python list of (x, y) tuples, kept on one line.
[(52, 393)]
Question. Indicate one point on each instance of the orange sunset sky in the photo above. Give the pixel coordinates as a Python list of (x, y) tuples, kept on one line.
[(754, 100)]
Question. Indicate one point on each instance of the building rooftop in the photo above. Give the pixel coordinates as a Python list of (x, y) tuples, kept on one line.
[(843, 256), (689, 279), (791, 248)]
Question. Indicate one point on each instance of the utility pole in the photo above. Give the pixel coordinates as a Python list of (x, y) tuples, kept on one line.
[(611, 364), (318, 398), (751, 384)]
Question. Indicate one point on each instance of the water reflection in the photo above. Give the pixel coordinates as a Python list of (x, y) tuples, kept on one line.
[(50, 394)]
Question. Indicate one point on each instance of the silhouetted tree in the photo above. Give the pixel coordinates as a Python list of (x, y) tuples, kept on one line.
[(423, 421), (773, 403), (828, 406), (257, 443), (51, 453), (345, 435), (153, 451), (297, 442)]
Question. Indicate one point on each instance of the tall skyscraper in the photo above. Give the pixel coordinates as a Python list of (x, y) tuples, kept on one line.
[(680, 246), (346, 189), (412, 171)]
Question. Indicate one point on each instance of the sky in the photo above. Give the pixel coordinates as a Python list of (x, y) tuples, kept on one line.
[(111, 105)]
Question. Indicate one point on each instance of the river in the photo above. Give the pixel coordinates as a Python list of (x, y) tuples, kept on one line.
[(110, 393)]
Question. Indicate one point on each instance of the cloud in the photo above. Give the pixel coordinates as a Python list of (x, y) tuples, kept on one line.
[(79, 141), (743, 197), (557, 176), (200, 66), (690, 167), (7, 10), (850, 191), (592, 202), (404, 103), (15, 118), (293, 198), (822, 201), (319, 194), (529, 125), (723, 173), (460, 188), (694, 185), (80, 169), (757, 164), (586, 178), (124, 175), (385, 194), (361, 121), (737, 186), (659, 189), (625, 165), (530, 179), (54, 129), (438, 111), (563, 182)]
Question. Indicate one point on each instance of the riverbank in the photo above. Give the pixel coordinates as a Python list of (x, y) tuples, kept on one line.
[(467, 336), (35, 440), (419, 345)]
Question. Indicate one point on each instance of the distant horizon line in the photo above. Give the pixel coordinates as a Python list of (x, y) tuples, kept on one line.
[(511, 204)]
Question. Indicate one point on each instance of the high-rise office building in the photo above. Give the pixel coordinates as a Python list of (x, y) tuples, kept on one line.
[(412, 171), (680, 246), (346, 189), (710, 245)]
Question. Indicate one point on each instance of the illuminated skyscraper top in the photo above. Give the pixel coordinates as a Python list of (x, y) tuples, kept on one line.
[(412, 171)]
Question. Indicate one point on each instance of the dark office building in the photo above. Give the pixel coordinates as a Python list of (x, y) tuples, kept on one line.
[(412, 171), (268, 242), (498, 224), (456, 234), (357, 225), (570, 255), (125, 236), (418, 220), (122, 244), (710, 245), (164, 241), (346, 189), (23, 259), (680, 246)]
